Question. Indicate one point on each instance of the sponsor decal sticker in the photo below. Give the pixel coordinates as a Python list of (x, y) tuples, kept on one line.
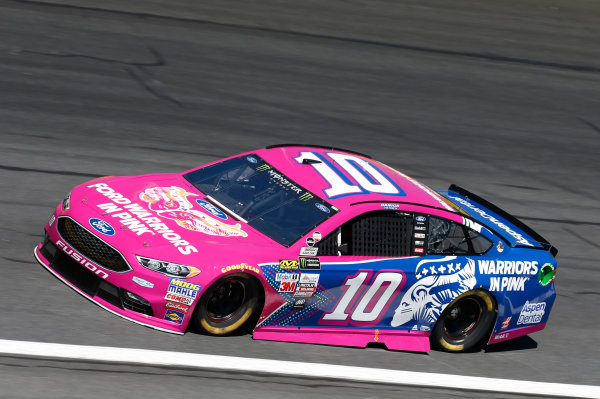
[(322, 207), (305, 290), (390, 207), (299, 303), (500, 336), (420, 218), (179, 307), (421, 243), (532, 313), (310, 263), (288, 264), (419, 250), (505, 323), (546, 275), (179, 298), (309, 278), (317, 236), (288, 281), (51, 221), (287, 276), (309, 251), (142, 282), (241, 267), (182, 291), (310, 241), (419, 235), (102, 227), (420, 228), (174, 316), (213, 210)]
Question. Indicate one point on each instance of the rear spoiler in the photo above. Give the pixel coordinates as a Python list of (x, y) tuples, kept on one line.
[(508, 226)]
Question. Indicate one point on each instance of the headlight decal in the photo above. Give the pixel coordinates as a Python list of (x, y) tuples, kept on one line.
[(168, 268)]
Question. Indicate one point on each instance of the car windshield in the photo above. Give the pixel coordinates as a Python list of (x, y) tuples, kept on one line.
[(257, 192)]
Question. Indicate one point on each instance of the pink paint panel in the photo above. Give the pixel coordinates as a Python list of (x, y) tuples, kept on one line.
[(517, 332), (415, 341)]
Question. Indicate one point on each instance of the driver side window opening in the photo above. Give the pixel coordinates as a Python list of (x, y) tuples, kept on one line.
[(378, 233)]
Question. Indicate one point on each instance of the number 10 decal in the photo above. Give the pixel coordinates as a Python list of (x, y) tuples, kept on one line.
[(367, 177), (360, 305)]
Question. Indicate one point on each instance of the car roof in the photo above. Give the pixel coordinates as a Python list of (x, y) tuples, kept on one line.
[(307, 165)]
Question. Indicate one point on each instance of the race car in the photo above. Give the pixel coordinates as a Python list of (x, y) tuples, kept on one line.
[(303, 243)]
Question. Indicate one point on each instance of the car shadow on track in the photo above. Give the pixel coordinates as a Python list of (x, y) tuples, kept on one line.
[(520, 343)]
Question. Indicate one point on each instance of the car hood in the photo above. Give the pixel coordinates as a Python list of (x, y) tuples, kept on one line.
[(164, 217)]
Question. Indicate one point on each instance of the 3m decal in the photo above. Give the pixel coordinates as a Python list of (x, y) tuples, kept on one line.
[(174, 316), (348, 174), (371, 303), (287, 286), (439, 281)]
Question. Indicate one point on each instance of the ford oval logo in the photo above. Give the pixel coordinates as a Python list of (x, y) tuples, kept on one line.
[(102, 227), (421, 218), (322, 207), (213, 210)]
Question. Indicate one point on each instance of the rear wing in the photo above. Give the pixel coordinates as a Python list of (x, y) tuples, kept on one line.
[(517, 233)]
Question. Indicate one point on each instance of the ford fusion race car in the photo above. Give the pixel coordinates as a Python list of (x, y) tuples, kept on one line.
[(303, 244)]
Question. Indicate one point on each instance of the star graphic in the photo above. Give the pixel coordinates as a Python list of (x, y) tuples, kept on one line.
[(441, 269), (450, 267), (419, 275), (457, 266), (425, 271), (432, 268)]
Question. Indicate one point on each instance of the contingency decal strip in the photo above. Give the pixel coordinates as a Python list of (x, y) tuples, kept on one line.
[(294, 369)]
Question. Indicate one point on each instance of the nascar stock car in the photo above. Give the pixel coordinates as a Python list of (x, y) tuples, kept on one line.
[(303, 244)]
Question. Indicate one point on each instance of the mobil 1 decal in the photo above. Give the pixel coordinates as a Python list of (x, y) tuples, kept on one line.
[(349, 174), (419, 234)]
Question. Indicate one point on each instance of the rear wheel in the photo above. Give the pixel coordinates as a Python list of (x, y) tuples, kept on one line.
[(229, 306), (465, 322)]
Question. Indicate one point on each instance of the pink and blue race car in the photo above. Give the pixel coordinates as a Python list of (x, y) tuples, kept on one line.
[(303, 244)]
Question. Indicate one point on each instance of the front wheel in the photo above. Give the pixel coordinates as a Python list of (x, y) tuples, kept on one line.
[(465, 322), (229, 305)]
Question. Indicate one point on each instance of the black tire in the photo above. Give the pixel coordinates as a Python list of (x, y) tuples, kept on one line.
[(230, 306), (465, 322)]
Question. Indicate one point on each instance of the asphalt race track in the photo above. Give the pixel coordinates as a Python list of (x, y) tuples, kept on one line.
[(502, 98)]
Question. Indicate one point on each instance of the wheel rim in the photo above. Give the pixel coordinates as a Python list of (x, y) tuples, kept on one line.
[(462, 318), (226, 300)]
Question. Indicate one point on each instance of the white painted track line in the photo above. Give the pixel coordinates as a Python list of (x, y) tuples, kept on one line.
[(294, 369)]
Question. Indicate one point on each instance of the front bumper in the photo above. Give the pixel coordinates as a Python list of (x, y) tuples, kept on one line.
[(106, 291)]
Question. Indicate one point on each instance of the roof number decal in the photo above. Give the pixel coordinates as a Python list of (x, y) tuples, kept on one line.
[(348, 174)]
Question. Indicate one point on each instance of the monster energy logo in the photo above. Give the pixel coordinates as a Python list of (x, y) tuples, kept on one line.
[(306, 197), (309, 263), (262, 168)]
